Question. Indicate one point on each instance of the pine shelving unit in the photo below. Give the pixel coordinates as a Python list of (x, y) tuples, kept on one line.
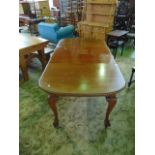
[(98, 17)]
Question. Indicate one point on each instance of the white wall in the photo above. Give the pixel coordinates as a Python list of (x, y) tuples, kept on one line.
[(50, 3)]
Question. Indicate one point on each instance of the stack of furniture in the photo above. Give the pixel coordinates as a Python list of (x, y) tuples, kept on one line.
[(33, 12), (70, 11), (35, 9), (125, 15), (98, 18), (121, 18)]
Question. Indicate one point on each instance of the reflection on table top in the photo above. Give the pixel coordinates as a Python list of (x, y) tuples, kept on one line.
[(82, 67), (118, 33), (27, 40)]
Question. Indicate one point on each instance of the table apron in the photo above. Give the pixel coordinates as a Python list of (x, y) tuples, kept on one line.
[(32, 49)]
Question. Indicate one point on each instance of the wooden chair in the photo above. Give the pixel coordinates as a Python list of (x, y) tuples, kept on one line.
[(114, 44), (116, 39)]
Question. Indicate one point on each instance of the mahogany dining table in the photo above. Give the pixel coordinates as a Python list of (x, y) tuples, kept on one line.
[(82, 67)]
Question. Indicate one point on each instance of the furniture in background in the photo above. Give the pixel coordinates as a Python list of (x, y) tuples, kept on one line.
[(98, 17), (70, 11), (131, 36), (121, 18), (115, 39), (131, 77), (26, 9), (28, 45), (43, 8), (35, 8), (55, 14), (33, 12), (54, 33), (82, 67), (31, 22), (125, 15)]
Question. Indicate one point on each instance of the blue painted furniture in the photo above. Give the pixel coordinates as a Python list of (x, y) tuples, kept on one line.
[(53, 33)]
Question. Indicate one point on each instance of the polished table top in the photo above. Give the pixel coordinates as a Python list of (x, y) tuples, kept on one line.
[(28, 41), (82, 67)]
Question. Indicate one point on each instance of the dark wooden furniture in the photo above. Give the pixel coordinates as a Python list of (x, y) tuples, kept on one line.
[(121, 17), (82, 67), (117, 38), (31, 22), (70, 11), (27, 45), (131, 77)]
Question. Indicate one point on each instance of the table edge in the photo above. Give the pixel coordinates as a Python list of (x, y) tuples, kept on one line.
[(82, 94)]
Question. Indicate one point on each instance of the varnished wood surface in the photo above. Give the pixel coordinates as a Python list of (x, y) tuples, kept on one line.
[(28, 42), (82, 67)]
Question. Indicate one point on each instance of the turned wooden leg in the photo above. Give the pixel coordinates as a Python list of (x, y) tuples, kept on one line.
[(130, 81), (42, 58), (111, 103), (52, 104), (122, 50), (23, 66), (115, 52)]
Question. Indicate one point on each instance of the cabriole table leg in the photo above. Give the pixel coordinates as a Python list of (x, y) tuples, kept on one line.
[(111, 103), (52, 104)]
